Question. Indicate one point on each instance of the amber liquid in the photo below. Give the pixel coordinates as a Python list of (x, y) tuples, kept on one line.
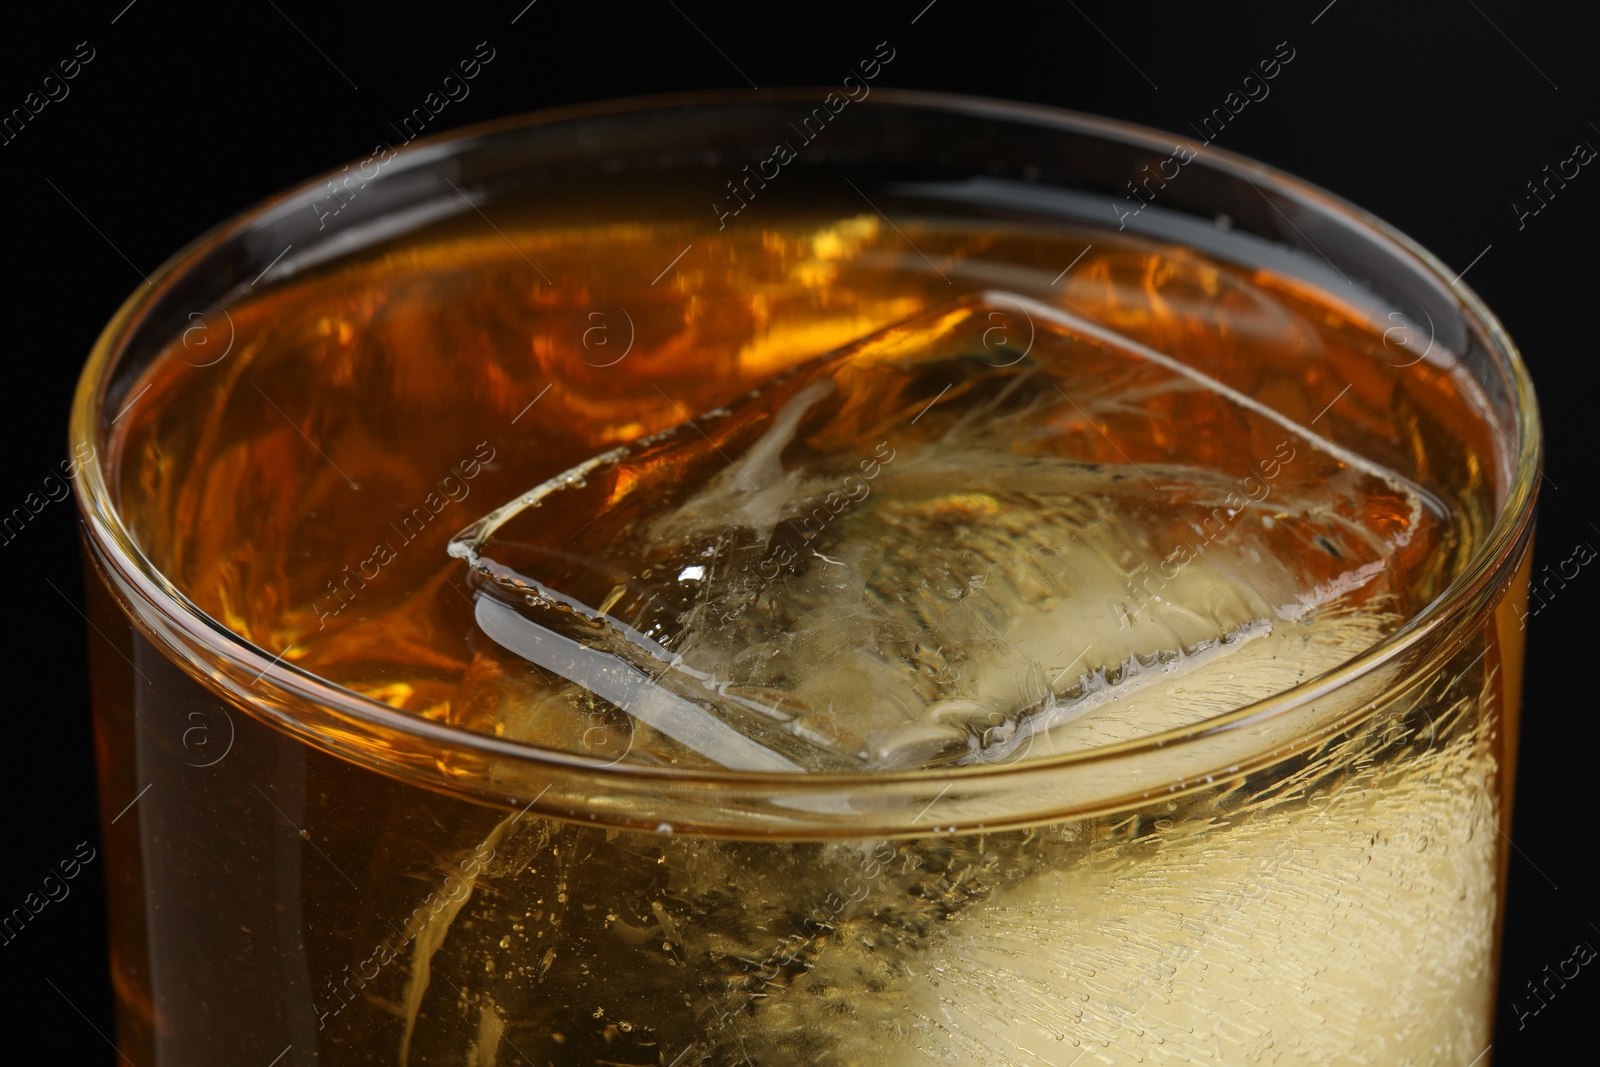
[(1337, 906)]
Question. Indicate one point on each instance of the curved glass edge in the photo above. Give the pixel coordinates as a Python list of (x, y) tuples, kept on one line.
[(477, 766)]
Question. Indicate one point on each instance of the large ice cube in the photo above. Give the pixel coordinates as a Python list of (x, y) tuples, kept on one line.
[(939, 543)]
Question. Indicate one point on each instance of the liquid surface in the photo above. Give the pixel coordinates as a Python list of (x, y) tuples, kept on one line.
[(1158, 488)]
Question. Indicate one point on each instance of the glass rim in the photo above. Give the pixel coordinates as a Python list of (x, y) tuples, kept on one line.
[(1489, 567)]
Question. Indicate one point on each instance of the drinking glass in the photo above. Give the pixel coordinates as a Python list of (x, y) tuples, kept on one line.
[(302, 873)]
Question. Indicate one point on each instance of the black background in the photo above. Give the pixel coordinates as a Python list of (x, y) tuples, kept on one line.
[(1432, 114)]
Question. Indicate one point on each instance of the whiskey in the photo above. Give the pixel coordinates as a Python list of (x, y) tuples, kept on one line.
[(832, 496)]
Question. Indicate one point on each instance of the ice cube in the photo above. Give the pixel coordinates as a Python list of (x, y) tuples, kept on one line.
[(943, 542)]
